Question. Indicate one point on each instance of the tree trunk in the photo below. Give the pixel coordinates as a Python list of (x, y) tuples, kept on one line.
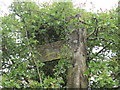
[(76, 77)]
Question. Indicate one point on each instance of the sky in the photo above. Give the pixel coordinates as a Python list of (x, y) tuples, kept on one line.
[(87, 4)]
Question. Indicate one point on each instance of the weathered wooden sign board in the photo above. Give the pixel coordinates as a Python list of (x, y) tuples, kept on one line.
[(52, 51)]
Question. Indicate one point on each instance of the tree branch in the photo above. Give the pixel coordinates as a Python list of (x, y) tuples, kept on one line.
[(90, 34), (103, 48)]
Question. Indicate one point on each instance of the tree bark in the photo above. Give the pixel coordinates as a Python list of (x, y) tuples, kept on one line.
[(76, 77)]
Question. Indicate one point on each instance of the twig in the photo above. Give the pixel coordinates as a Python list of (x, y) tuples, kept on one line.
[(103, 48), (90, 34), (33, 58)]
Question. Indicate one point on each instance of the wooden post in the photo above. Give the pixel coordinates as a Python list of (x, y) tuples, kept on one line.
[(76, 77)]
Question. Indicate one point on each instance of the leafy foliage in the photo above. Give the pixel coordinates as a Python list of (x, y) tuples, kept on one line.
[(29, 25), (104, 74)]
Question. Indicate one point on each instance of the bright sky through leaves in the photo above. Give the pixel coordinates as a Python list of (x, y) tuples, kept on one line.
[(87, 4)]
